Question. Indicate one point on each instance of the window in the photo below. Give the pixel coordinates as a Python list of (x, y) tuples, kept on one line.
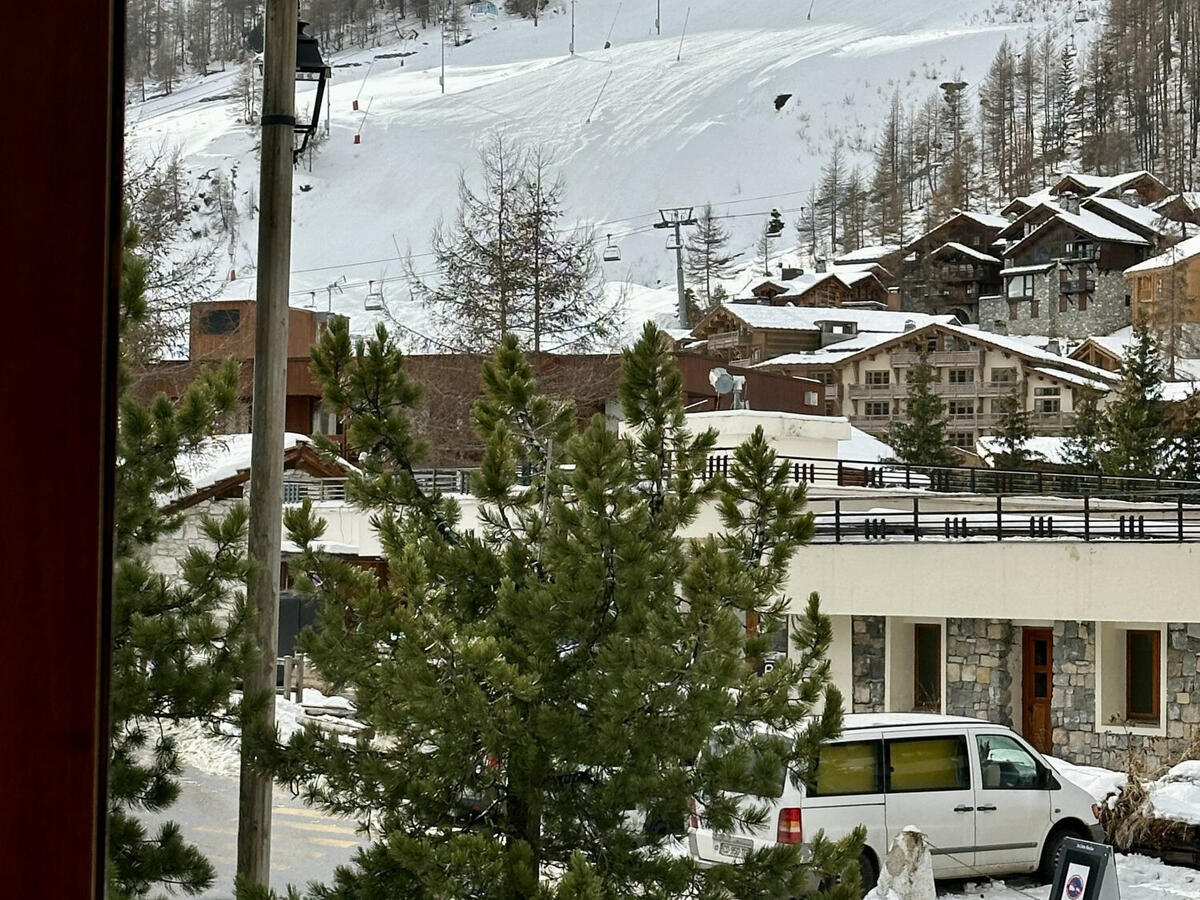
[(961, 409), (810, 398), (879, 378), (1020, 286), (1033, 309), (1141, 675), (1012, 310), (877, 408), (928, 764), (1007, 375), (962, 376), (1046, 400), (219, 321), (1062, 302), (964, 440), (854, 767), (1005, 765), (927, 667)]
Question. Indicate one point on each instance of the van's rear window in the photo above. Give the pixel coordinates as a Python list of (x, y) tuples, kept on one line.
[(854, 767)]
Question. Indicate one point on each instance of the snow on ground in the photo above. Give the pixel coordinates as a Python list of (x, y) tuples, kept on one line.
[(649, 122), (220, 754), (862, 447), (1098, 782), (1139, 877)]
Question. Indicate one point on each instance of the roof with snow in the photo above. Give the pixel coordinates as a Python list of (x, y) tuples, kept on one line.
[(1026, 270), (1085, 222), (802, 284), (1050, 449), (1185, 249), (1137, 215), (990, 220), (872, 253), (223, 461), (810, 318), (862, 447), (966, 251)]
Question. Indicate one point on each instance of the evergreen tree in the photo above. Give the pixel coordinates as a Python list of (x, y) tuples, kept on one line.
[(832, 195), (1182, 456), (505, 267), (175, 646), (854, 215), (1013, 431), (1085, 438), (920, 438), (707, 258), (1134, 421), (569, 661)]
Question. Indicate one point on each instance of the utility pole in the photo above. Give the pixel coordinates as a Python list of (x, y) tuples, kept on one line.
[(572, 27), (658, 17), (676, 218), (442, 77), (266, 448)]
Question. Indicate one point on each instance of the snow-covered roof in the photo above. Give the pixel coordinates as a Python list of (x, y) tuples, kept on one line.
[(1050, 449), (1026, 270), (803, 283), (990, 220), (1185, 249), (1104, 184), (968, 251), (809, 318), (1072, 378), (1139, 215), (1095, 225), (224, 456), (862, 447), (867, 254), (1191, 198)]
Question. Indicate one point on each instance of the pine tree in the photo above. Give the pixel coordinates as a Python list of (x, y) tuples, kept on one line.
[(1085, 438), (1182, 445), (571, 661), (1134, 421), (175, 644), (854, 215), (1013, 431), (920, 438), (833, 190), (505, 267), (707, 258)]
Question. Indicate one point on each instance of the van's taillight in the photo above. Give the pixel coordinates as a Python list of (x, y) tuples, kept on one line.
[(791, 829), (692, 808)]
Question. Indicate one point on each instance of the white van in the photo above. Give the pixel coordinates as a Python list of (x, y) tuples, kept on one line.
[(987, 801)]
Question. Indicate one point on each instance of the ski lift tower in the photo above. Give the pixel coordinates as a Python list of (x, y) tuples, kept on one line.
[(675, 218)]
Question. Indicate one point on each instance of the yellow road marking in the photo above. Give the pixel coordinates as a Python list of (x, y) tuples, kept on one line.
[(332, 842)]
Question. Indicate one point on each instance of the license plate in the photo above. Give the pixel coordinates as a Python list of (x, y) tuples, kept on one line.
[(738, 848)]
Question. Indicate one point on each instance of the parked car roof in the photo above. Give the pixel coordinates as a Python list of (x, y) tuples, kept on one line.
[(896, 720)]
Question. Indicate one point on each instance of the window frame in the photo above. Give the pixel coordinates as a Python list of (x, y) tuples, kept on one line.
[(960, 737), (1038, 768), (1155, 680), (936, 705)]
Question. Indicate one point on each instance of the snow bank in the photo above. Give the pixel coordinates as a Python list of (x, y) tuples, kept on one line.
[(1176, 795), (907, 872), (1100, 783)]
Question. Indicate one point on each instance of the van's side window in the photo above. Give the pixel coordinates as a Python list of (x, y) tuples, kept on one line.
[(1006, 765), (928, 764), (854, 767)]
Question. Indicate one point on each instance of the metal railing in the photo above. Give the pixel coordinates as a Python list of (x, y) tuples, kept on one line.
[(1079, 520)]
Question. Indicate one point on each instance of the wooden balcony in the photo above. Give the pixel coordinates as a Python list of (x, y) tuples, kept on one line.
[(939, 358), (724, 340)]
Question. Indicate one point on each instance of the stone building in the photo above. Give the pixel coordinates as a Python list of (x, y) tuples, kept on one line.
[(946, 270)]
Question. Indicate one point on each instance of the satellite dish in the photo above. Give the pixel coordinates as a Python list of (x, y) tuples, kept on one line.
[(721, 380)]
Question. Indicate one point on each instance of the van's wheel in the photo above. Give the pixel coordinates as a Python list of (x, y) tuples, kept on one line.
[(868, 872), (1053, 850)]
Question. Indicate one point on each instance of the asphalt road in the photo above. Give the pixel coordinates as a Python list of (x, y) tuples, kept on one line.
[(306, 844)]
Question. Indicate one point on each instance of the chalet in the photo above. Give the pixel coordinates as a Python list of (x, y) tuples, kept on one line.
[(826, 287), (1166, 291), (947, 269), (1183, 207), (1149, 190), (1063, 273), (886, 256), (974, 371)]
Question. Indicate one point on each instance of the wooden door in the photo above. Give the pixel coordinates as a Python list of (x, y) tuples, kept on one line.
[(1037, 685)]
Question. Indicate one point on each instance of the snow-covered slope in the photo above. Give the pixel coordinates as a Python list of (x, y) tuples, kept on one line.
[(652, 121)]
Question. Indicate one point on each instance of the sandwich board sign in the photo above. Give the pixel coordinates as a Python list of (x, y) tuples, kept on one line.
[(1086, 871)]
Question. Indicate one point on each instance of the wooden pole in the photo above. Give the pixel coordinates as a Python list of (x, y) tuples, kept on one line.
[(266, 449)]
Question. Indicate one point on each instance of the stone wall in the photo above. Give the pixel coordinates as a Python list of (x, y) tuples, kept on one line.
[(1073, 700), (978, 676), (868, 641), (1106, 309)]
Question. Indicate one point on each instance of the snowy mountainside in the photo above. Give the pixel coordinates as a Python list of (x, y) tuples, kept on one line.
[(651, 121)]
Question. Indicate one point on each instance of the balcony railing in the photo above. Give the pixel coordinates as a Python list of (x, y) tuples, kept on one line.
[(1077, 286), (724, 339), (939, 358)]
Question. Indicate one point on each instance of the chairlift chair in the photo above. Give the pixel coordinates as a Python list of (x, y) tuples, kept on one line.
[(672, 242), (612, 253), (374, 297), (1080, 12)]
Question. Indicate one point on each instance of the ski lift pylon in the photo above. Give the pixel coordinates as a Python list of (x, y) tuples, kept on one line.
[(612, 253), (374, 297)]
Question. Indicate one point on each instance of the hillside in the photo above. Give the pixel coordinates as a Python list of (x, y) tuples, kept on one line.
[(631, 127)]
